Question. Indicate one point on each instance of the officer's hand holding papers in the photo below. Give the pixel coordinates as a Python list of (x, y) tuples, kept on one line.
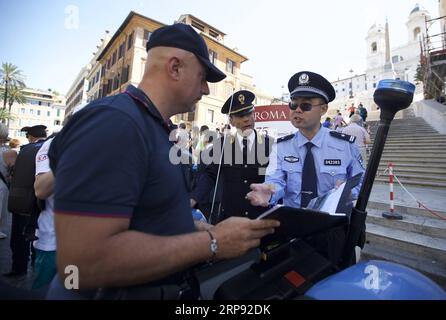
[(327, 211)]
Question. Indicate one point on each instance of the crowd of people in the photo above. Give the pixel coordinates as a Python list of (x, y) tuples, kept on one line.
[(123, 216)]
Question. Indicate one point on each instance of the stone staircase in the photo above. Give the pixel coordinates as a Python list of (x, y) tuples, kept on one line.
[(418, 241), (417, 152)]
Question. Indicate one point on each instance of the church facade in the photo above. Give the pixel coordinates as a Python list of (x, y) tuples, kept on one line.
[(384, 62)]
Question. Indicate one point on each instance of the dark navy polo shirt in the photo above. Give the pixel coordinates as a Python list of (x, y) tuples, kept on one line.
[(112, 160)]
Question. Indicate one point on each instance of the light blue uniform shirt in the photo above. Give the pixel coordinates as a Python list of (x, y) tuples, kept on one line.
[(335, 159)]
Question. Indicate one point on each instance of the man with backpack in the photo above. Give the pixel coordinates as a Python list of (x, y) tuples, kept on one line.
[(22, 202)]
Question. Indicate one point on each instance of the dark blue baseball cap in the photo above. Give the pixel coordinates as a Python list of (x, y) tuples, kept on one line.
[(183, 36)]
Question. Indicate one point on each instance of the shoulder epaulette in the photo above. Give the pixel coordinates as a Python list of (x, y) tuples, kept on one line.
[(343, 136), (285, 138)]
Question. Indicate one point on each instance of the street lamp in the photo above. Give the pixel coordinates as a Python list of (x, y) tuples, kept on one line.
[(351, 83)]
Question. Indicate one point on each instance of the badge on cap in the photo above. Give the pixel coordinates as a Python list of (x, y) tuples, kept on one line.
[(304, 79), (241, 98)]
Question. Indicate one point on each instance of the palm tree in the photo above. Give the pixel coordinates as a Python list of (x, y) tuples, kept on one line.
[(5, 115), (10, 77), (15, 95)]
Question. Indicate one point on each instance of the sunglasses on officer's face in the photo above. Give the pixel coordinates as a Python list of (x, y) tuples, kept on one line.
[(304, 106)]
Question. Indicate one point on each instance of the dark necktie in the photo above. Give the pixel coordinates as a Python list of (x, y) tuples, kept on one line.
[(309, 178), (245, 150)]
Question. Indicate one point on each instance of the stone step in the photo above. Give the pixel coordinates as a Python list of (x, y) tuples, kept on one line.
[(415, 183), (409, 130), (397, 169), (406, 210), (418, 146), (420, 224), (421, 147), (441, 167), (405, 140), (416, 153), (431, 268), (386, 158), (412, 176), (400, 240), (414, 138)]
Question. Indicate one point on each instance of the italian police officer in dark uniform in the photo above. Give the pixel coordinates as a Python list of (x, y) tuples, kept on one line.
[(244, 161), (312, 161)]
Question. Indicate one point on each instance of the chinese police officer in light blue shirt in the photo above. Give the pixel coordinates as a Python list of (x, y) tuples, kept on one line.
[(312, 161)]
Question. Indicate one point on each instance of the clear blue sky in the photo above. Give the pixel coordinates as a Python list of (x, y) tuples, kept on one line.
[(279, 37)]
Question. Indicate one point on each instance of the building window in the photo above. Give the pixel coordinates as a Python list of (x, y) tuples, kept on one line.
[(121, 51), (147, 35), (213, 56), (416, 33), (230, 66), (213, 89), (108, 64), (38, 112), (190, 116), (210, 116), (57, 122), (113, 58), (31, 112), (125, 74), (48, 113), (58, 112), (374, 85), (197, 25), (130, 40), (212, 33), (22, 110), (374, 47)]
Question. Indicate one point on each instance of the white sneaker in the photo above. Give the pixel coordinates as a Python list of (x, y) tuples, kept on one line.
[(2, 235)]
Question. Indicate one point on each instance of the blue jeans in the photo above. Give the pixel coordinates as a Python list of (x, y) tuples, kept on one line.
[(44, 268)]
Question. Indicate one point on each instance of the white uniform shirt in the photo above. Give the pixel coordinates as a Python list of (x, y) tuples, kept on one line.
[(46, 232)]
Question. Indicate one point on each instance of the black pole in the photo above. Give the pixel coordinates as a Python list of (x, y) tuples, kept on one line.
[(391, 96)]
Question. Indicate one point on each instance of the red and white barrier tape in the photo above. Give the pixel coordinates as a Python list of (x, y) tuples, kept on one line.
[(420, 204)]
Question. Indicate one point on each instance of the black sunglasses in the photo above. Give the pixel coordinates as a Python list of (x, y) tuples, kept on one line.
[(304, 106)]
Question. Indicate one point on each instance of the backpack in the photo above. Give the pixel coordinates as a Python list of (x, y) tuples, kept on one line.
[(22, 199)]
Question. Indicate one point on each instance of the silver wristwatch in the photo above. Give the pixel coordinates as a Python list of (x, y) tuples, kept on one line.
[(213, 246)]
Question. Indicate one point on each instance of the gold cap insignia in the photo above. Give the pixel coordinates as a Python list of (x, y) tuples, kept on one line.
[(241, 98)]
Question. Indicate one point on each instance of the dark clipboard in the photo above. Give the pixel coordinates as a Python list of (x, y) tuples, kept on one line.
[(300, 222), (304, 222)]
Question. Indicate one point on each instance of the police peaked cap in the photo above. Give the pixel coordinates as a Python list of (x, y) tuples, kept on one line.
[(242, 103), (38, 131), (311, 85)]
